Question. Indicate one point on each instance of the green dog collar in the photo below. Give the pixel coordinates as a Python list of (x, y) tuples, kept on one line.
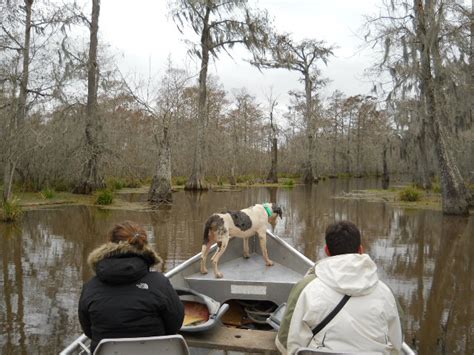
[(267, 208)]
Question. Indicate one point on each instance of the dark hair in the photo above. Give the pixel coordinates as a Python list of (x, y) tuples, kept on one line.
[(342, 237), (130, 232)]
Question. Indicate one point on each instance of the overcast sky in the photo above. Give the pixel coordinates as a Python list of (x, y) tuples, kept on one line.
[(142, 33)]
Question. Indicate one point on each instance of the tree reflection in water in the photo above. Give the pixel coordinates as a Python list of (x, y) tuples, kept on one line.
[(427, 259)]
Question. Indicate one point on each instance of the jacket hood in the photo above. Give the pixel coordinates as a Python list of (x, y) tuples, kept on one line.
[(350, 274), (121, 262)]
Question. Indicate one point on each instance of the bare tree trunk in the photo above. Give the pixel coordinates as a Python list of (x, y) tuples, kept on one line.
[(91, 178), (471, 66), (232, 179), (9, 168), (272, 175), (422, 173), (455, 196), (160, 189), (26, 66), (196, 180), (8, 180), (18, 116), (348, 146), (334, 147), (358, 148), (385, 176), (308, 177)]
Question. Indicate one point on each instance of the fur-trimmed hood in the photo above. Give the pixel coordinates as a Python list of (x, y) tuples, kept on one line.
[(120, 251)]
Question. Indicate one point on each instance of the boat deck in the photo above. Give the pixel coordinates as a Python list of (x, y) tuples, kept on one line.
[(252, 269), (246, 279)]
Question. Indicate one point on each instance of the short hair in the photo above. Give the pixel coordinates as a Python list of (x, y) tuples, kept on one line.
[(342, 237)]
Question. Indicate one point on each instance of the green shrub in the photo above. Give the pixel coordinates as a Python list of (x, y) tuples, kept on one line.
[(410, 194), (147, 180), (220, 181), (344, 175), (179, 180), (114, 184), (105, 197), (289, 183), (133, 183), (11, 210), (289, 175), (61, 186), (436, 187), (47, 193), (248, 179)]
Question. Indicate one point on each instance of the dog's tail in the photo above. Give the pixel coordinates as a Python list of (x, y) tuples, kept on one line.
[(207, 227), (211, 226)]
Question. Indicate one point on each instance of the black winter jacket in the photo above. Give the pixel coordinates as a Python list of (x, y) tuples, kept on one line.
[(125, 299)]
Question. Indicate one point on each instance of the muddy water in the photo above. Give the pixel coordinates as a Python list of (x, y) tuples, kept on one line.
[(427, 259)]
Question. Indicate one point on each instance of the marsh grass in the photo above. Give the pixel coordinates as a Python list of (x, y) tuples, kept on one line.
[(47, 193), (11, 211), (410, 194), (104, 197)]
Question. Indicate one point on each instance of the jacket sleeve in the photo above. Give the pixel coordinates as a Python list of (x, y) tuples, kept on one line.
[(84, 319), (395, 329), (282, 337), (300, 333), (173, 313)]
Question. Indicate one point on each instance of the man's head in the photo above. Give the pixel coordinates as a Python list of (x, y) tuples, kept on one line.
[(342, 237)]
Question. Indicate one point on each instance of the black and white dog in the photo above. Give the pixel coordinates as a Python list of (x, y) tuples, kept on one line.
[(243, 224)]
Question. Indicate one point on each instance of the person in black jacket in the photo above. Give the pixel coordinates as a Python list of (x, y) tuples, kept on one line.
[(125, 299)]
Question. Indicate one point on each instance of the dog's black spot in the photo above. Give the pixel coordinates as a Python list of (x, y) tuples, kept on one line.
[(241, 220), (213, 223)]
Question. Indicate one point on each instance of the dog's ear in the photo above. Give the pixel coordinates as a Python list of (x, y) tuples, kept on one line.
[(277, 209)]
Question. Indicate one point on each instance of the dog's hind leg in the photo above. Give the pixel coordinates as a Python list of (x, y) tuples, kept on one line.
[(215, 258), (262, 238), (204, 252), (246, 248)]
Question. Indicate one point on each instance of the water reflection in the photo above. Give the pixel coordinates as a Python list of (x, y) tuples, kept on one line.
[(427, 259)]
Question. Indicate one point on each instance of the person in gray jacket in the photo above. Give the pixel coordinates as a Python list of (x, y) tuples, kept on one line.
[(368, 321)]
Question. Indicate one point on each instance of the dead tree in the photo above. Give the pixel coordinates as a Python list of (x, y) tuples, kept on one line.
[(220, 24), (301, 57), (91, 177), (273, 173), (456, 197)]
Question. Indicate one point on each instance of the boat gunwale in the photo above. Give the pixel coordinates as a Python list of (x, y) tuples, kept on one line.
[(80, 340), (197, 257)]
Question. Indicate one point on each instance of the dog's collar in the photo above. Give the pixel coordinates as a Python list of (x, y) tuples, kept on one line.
[(267, 208)]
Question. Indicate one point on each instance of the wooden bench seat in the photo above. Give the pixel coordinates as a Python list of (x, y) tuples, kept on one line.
[(234, 339)]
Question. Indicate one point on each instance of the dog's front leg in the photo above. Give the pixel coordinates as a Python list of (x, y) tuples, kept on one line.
[(215, 258), (262, 238), (246, 248)]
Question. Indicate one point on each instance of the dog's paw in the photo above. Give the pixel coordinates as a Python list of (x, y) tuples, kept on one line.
[(269, 263), (219, 275), (204, 271), (246, 256)]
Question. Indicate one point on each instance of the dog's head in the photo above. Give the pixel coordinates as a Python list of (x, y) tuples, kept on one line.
[(277, 210)]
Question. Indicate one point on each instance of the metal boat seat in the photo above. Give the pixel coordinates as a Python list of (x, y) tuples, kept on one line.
[(159, 345)]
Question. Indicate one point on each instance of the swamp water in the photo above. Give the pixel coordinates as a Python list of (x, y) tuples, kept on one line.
[(426, 258)]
